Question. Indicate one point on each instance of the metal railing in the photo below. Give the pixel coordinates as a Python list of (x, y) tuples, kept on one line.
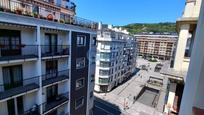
[(55, 75), (69, 5), (54, 50), (16, 84), (35, 110), (31, 10), (21, 51), (58, 100)]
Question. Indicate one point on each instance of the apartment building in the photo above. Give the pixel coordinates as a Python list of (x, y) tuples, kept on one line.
[(156, 46), (176, 70), (46, 58), (192, 101), (115, 58)]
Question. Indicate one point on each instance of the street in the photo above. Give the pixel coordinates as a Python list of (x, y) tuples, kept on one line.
[(112, 103), (105, 108)]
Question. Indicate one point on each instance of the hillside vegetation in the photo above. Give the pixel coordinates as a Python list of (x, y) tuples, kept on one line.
[(146, 28)]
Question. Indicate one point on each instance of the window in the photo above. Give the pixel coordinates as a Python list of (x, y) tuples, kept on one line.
[(79, 102), (80, 83), (80, 63), (105, 55), (81, 40), (105, 64), (104, 72), (12, 76), (105, 46), (91, 94), (104, 80), (94, 41)]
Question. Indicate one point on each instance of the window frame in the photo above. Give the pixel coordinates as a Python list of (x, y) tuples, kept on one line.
[(77, 107), (84, 62), (82, 39), (77, 88)]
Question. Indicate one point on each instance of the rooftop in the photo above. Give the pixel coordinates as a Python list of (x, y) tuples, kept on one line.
[(172, 73)]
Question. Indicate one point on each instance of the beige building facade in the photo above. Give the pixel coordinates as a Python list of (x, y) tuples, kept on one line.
[(176, 71), (156, 46)]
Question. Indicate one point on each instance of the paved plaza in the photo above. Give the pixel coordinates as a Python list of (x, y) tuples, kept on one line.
[(124, 94)]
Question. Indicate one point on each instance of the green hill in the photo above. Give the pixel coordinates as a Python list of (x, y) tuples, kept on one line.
[(155, 27)]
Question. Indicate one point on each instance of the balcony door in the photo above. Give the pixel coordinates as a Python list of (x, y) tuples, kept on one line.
[(19, 109), (52, 93), (10, 42), (51, 68), (12, 77), (51, 43)]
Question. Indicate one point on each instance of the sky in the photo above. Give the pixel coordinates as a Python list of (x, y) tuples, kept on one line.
[(122, 12)]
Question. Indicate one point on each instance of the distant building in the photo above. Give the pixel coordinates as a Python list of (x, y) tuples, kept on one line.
[(156, 46), (115, 59), (176, 70)]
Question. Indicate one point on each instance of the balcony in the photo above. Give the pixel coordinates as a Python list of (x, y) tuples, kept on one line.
[(55, 50), (18, 52), (35, 110), (8, 90), (55, 103), (67, 5), (49, 12), (52, 78)]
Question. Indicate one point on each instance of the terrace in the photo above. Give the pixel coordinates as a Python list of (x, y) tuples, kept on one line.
[(55, 77), (54, 50), (18, 52), (8, 90), (49, 12), (60, 100)]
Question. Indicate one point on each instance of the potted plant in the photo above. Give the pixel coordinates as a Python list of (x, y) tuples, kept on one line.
[(55, 20), (7, 10), (18, 11), (61, 20), (27, 13), (1, 9), (50, 17), (36, 15), (41, 17)]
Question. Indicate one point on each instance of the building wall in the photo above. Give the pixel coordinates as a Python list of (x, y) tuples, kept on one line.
[(193, 91), (158, 46), (192, 8), (4, 109), (121, 49), (76, 74), (29, 100)]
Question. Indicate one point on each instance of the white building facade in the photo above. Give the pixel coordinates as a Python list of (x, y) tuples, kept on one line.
[(44, 59), (115, 58)]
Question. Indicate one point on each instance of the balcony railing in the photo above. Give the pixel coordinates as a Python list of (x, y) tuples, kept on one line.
[(11, 89), (54, 50), (16, 52), (50, 14), (68, 5), (35, 110), (56, 102), (54, 77)]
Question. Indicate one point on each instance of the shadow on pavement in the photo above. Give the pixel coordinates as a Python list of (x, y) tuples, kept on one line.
[(103, 107), (128, 78)]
